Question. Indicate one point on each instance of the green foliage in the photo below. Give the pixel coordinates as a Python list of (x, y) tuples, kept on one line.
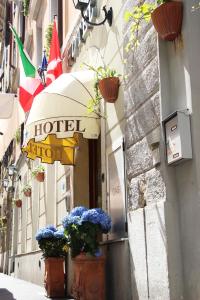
[(3, 222), (141, 12), (48, 37), (100, 73), (26, 188), (53, 247), (38, 169), (26, 7), (18, 136), (83, 237), (196, 7)]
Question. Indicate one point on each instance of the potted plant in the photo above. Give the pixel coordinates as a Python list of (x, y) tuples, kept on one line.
[(166, 16), (106, 83), (167, 19), (3, 221), (53, 244), (82, 228), (27, 190), (18, 202), (38, 173)]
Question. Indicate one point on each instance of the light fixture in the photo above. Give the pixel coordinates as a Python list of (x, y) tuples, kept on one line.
[(83, 4), (5, 182), (11, 170)]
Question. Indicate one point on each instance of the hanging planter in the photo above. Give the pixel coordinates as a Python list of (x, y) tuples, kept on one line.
[(27, 190), (18, 203), (109, 88), (167, 20), (38, 173)]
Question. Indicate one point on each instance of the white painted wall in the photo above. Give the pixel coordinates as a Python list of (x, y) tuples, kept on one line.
[(180, 90)]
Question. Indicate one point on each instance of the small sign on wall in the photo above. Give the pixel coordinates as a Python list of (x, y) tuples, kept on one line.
[(178, 137)]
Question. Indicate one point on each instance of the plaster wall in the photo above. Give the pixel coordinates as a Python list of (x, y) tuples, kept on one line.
[(180, 90), (104, 45), (23, 267)]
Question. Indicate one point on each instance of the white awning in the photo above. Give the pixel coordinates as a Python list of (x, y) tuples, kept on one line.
[(9, 126), (59, 112), (61, 109)]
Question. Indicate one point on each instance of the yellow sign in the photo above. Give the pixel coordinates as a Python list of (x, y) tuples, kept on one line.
[(53, 149)]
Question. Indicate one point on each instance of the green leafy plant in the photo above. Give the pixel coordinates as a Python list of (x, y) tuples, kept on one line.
[(82, 228), (26, 188), (38, 169), (3, 222), (18, 136), (52, 242), (26, 7), (101, 72), (141, 12), (48, 37)]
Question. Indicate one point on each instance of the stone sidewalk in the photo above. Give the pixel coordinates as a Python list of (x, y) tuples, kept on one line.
[(15, 289)]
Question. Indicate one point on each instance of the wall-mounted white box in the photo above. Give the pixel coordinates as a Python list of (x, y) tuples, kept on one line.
[(178, 137)]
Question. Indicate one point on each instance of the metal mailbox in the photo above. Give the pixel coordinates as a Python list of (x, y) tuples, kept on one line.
[(178, 137)]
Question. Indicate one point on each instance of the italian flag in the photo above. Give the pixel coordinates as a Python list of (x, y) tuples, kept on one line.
[(30, 85)]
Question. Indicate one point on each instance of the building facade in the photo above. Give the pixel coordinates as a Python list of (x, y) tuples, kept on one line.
[(152, 249)]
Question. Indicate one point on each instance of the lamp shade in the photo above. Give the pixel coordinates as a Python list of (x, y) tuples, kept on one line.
[(81, 4)]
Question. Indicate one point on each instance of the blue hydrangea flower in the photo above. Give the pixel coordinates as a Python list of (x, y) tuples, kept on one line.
[(78, 211), (51, 227), (90, 215), (68, 220), (39, 235), (47, 233), (59, 234), (104, 220), (98, 253)]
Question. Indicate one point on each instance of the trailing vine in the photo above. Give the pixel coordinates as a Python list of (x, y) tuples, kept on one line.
[(139, 13), (26, 7), (48, 37)]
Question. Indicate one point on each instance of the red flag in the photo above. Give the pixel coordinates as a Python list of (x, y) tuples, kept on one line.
[(29, 88), (54, 68)]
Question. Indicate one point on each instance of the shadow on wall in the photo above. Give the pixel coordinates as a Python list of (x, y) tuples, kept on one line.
[(133, 279), (6, 295)]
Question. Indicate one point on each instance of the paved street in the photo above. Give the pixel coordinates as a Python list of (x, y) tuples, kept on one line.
[(16, 289)]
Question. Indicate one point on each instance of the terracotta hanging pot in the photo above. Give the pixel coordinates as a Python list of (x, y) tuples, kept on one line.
[(54, 277), (18, 203), (27, 193), (40, 176), (89, 278), (167, 20), (109, 88)]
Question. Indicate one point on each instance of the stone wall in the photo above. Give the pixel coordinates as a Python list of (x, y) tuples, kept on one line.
[(146, 188)]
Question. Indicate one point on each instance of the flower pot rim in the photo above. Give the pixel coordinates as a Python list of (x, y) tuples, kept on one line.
[(84, 256), (167, 4)]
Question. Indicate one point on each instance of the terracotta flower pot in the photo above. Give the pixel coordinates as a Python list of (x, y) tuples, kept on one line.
[(54, 277), (27, 193), (89, 278), (18, 203), (109, 88), (167, 20), (40, 176)]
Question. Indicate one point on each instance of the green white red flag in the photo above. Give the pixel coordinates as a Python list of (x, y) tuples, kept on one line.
[(30, 85), (54, 68)]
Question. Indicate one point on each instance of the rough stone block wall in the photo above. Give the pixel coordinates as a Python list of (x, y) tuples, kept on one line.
[(146, 188)]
